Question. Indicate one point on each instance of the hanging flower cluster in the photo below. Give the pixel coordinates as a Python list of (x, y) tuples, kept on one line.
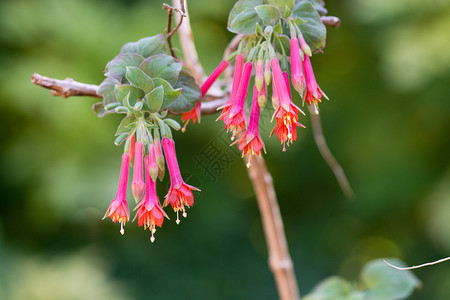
[(275, 51), (145, 84)]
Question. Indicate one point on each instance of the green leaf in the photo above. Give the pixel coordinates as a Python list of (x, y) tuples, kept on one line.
[(170, 94), (118, 65), (154, 99), (106, 89), (269, 14), (259, 31), (334, 288), (313, 30), (240, 6), (135, 93), (138, 78), (99, 109), (245, 22), (146, 47), (284, 6), (162, 66), (285, 42), (190, 94), (124, 123), (385, 282)]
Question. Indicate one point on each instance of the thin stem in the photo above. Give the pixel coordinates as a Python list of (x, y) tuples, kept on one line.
[(190, 57), (280, 261), (171, 32), (321, 143), (419, 266)]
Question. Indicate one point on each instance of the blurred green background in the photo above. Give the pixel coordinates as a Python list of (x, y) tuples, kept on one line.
[(386, 71)]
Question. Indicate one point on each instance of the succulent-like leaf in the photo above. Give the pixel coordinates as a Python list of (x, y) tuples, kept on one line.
[(284, 6), (385, 282), (118, 65), (172, 123), (138, 78), (313, 29), (190, 94), (106, 89), (269, 14), (154, 99), (119, 140), (162, 66), (135, 93), (146, 47), (123, 126), (99, 109), (170, 94)]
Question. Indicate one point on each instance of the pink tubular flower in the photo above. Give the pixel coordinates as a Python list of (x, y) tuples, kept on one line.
[(118, 210), (251, 143), (304, 45), (313, 93), (286, 81), (194, 114), (236, 81), (138, 185), (180, 194), (235, 119), (287, 113), (298, 79), (149, 211)]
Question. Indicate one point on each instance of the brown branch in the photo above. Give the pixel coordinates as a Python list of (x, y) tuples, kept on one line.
[(280, 261), (331, 21), (65, 88), (321, 143)]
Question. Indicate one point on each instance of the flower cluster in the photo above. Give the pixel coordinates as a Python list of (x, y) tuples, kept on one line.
[(144, 153), (261, 57)]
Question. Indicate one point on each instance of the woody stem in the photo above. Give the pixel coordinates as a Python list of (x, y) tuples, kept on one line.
[(280, 261)]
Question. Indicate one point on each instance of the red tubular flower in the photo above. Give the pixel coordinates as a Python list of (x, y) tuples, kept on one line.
[(287, 113), (298, 79), (138, 185), (251, 143), (194, 114), (313, 93), (236, 81), (180, 194), (118, 210), (235, 119), (149, 211)]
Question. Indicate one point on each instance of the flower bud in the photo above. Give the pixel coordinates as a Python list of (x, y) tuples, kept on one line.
[(153, 165), (138, 185), (259, 75), (159, 155), (262, 97), (267, 74)]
